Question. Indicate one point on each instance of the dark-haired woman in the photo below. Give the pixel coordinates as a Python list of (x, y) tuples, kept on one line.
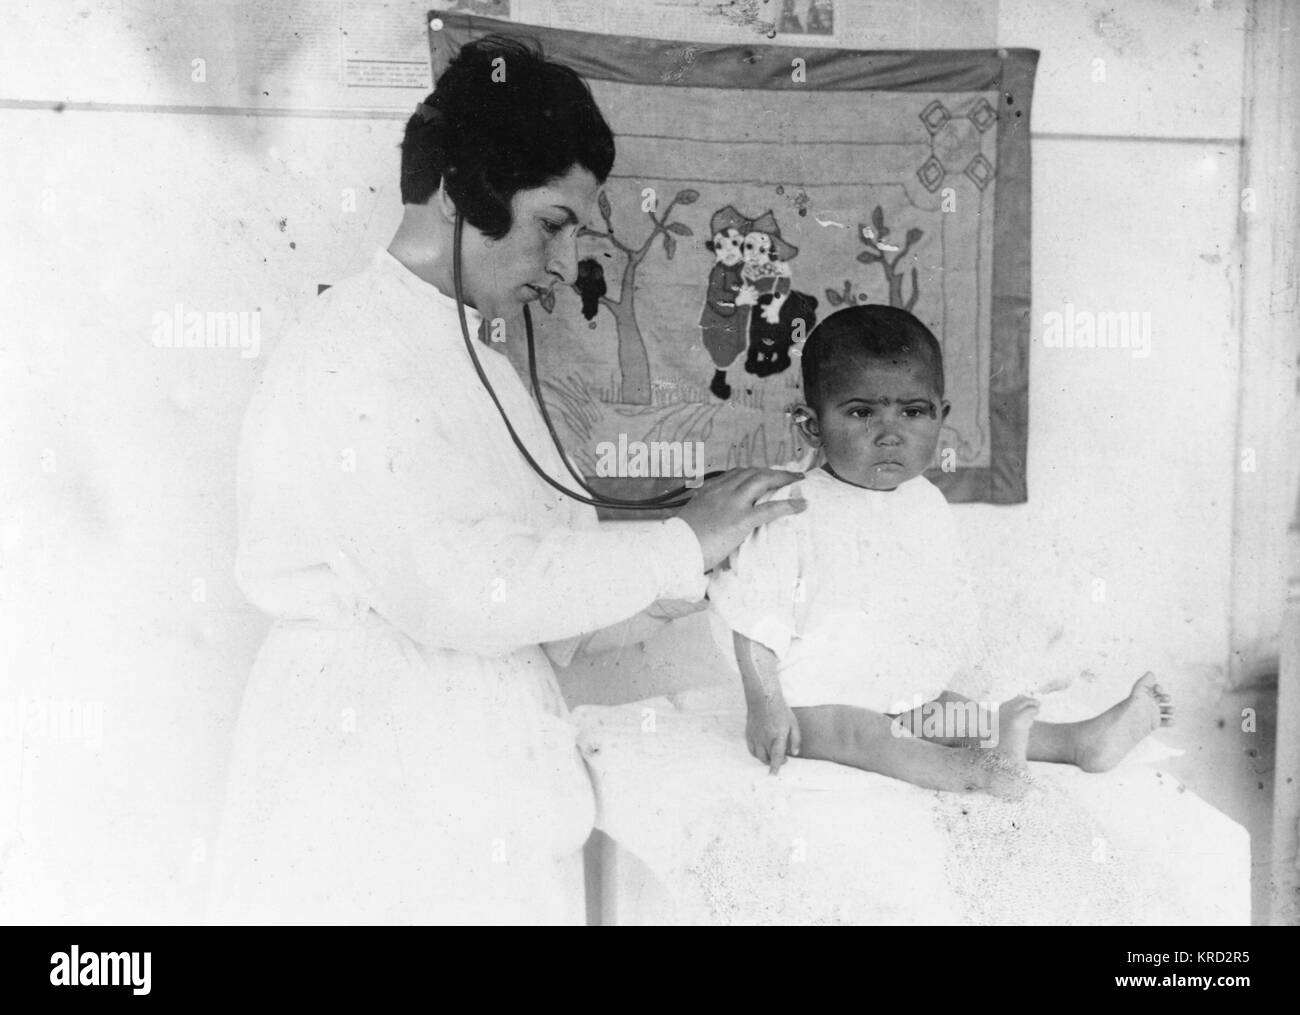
[(403, 753)]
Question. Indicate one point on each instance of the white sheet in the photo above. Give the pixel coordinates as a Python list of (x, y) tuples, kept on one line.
[(726, 843)]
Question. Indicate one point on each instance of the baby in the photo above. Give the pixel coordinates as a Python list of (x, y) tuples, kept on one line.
[(851, 621)]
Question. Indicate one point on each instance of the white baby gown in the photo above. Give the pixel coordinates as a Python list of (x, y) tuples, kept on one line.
[(403, 753), (863, 597)]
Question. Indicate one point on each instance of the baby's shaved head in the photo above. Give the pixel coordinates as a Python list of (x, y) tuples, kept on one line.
[(854, 336)]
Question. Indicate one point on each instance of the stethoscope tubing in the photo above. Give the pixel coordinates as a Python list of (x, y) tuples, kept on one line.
[(671, 499)]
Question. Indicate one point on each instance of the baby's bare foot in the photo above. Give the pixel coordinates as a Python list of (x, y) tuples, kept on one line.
[(1014, 719), (1006, 766), (1105, 739)]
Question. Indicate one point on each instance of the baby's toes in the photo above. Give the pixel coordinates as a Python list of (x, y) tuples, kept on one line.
[(1028, 704), (1021, 708)]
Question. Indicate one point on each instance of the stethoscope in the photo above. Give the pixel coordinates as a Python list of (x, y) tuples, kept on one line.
[(671, 499)]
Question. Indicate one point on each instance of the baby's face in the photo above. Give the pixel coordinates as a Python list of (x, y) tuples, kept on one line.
[(879, 422)]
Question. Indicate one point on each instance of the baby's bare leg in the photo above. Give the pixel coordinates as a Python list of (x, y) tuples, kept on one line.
[(953, 720), (869, 741), (1095, 744), (1100, 743), (1048, 741)]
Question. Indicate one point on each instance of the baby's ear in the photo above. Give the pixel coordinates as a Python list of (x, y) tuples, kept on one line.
[(805, 418)]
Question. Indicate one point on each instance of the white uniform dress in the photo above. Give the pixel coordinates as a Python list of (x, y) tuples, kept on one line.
[(862, 596), (403, 753)]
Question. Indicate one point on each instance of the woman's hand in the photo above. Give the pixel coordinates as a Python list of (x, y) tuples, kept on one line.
[(724, 510), (772, 731)]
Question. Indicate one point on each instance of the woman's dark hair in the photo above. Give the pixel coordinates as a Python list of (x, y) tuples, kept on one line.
[(501, 119), (867, 332)]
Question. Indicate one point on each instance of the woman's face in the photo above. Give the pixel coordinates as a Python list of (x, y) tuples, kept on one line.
[(539, 252)]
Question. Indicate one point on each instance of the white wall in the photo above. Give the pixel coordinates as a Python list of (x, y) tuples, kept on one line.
[(119, 456), (1131, 460)]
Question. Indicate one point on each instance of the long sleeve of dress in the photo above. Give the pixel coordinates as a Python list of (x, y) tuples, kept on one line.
[(409, 493), (635, 630)]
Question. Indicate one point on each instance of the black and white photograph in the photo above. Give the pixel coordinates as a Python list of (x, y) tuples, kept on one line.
[(650, 463)]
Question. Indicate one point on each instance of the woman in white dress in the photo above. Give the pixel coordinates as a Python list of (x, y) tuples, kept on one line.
[(403, 753)]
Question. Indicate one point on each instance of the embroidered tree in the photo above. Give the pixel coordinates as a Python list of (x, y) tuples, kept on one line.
[(873, 238), (633, 361)]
